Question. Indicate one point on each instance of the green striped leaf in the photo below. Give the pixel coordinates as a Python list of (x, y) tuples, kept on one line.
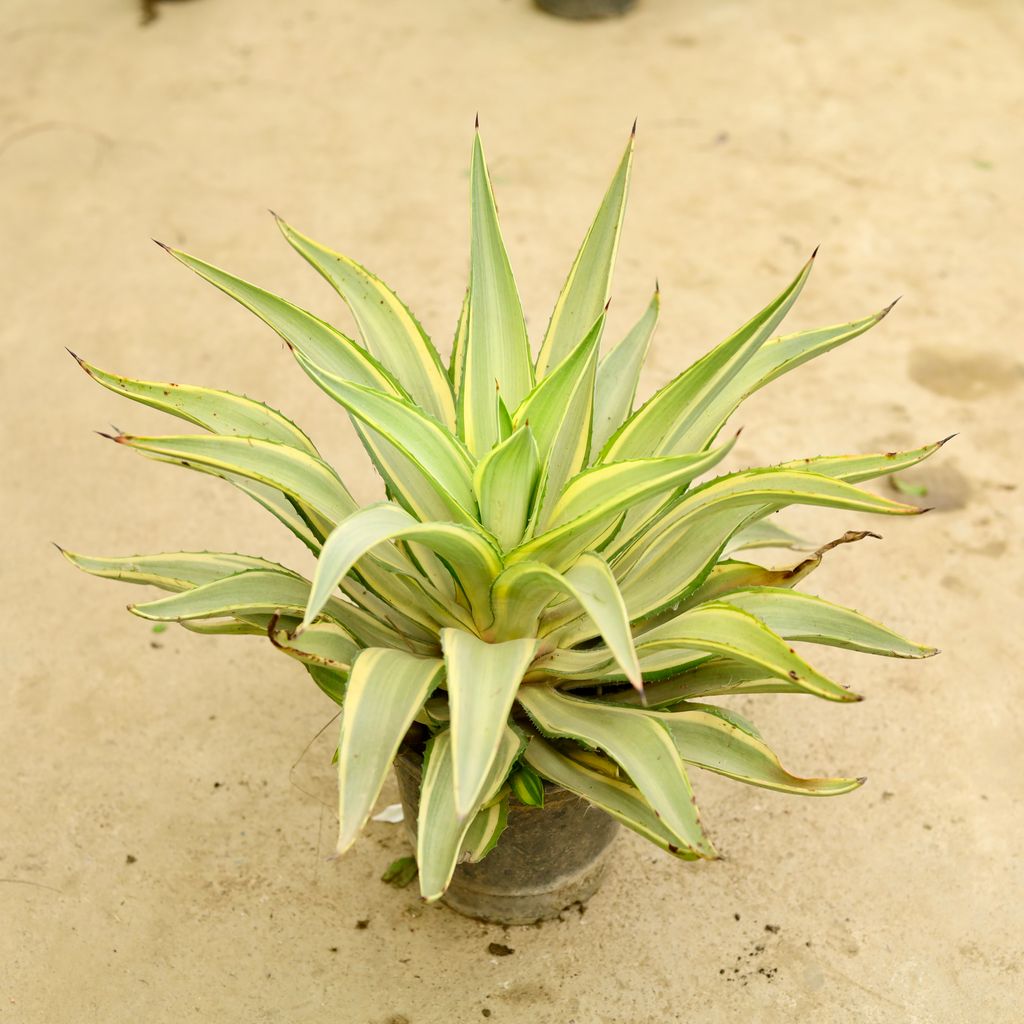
[(331, 683), (299, 475), (175, 571), (521, 593), (505, 482), (434, 459), (527, 786), (714, 677), (305, 523), (618, 375), (220, 412), (496, 350), (711, 677), (640, 744), (321, 344), (798, 616), (728, 631), (706, 739), (772, 360), (595, 589), (593, 501), (589, 665), (324, 644), (731, 575), (252, 625), (255, 592), (484, 832), (388, 328), (780, 355), (440, 830), (763, 534), (858, 468), (675, 419), (385, 691), (585, 292), (558, 412), (482, 682), (260, 592), (662, 563), (458, 357), (473, 559), (613, 486), (849, 468), (622, 801)]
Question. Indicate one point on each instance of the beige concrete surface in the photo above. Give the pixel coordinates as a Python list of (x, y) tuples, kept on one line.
[(165, 830)]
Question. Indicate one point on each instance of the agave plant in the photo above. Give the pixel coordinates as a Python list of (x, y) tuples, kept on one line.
[(547, 590)]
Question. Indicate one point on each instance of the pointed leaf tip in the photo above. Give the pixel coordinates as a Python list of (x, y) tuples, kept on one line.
[(861, 780), (163, 245), (816, 248), (632, 131), (888, 309), (476, 121), (950, 438)]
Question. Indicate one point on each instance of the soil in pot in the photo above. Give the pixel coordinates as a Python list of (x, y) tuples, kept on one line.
[(548, 859)]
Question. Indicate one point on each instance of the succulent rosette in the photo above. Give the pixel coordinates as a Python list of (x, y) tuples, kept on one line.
[(555, 587)]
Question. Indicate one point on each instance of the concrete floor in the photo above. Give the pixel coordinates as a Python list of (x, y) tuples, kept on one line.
[(166, 828)]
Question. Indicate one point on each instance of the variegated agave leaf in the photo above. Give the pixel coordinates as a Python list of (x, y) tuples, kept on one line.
[(554, 589)]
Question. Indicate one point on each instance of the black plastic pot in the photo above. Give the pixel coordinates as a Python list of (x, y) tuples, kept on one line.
[(585, 10), (548, 859)]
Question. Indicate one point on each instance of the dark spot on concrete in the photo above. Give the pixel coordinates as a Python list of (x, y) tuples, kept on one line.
[(362, 924), (130, 858), (773, 928), (736, 917), (993, 549), (333, 949), (967, 377), (942, 487), (499, 949), (485, 1012)]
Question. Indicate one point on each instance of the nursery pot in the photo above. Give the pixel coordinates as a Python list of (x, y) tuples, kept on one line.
[(547, 860), (583, 10)]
